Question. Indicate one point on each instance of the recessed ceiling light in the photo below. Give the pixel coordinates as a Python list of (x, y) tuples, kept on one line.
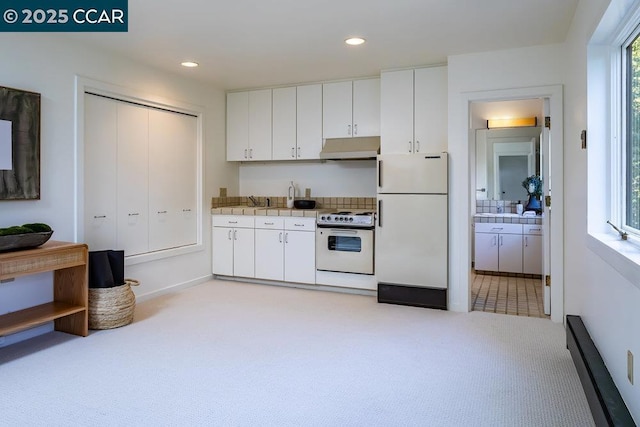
[(354, 41), (189, 64)]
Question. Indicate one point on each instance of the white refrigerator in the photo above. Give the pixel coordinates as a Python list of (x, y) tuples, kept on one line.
[(411, 245)]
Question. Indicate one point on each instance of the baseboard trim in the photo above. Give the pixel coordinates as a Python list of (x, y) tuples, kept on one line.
[(412, 295), (172, 288), (606, 403)]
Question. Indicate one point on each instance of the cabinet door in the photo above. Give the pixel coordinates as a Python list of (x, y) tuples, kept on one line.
[(237, 126), (269, 254), (486, 251), (222, 251), (132, 179), (284, 123), (510, 253), (396, 114), (300, 257), (243, 252), (532, 254), (100, 135), (172, 180), (260, 124), (309, 122), (337, 108), (366, 107), (430, 110)]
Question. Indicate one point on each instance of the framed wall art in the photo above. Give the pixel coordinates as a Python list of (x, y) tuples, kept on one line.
[(19, 144)]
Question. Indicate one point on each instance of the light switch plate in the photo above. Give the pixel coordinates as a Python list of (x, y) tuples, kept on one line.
[(630, 366)]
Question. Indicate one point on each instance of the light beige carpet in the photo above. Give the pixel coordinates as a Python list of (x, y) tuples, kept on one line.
[(236, 354)]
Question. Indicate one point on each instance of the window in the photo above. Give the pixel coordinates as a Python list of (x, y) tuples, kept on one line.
[(631, 150)]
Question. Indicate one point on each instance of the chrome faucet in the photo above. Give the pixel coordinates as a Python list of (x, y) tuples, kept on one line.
[(254, 202)]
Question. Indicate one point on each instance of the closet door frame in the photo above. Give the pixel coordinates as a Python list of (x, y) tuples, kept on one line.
[(84, 85)]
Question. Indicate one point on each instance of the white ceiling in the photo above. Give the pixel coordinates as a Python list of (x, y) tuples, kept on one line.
[(255, 43)]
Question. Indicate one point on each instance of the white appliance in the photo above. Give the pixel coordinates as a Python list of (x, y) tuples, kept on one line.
[(344, 242), (411, 252)]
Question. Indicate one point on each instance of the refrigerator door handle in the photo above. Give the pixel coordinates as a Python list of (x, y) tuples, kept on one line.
[(379, 213)]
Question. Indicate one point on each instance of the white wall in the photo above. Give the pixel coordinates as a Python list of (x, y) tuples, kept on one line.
[(490, 71), (345, 178), (47, 64), (607, 302)]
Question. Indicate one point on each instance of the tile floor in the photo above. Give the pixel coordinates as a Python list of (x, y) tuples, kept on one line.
[(518, 296)]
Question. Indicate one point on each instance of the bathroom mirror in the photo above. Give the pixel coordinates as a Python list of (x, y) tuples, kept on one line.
[(504, 158)]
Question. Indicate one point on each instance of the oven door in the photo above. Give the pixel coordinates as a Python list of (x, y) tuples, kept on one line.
[(344, 250)]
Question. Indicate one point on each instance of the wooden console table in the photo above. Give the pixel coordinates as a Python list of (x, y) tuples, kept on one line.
[(69, 308)]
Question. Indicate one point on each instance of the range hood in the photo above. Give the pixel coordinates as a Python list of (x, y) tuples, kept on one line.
[(351, 148)]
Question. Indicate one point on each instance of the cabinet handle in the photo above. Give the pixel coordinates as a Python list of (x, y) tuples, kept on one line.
[(410, 148), (235, 234), (245, 153), (134, 214), (229, 236), (298, 151), (251, 153), (298, 225), (526, 241), (494, 242), (280, 238), (292, 152), (501, 241), (535, 229), (348, 129), (286, 237), (355, 129), (232, 222), (268, 223), (496, 228), (417, 146), (100, 216), (162, 212), (186, 210)]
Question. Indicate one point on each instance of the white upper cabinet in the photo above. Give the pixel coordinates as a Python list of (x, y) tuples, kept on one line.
[(366, 107), (284, 123), (237, 126), (309, 121), (414, 111), (351, 108), (260, 124), (249, 125)]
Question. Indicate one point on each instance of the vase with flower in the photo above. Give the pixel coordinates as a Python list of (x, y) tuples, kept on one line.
[(533, 185)]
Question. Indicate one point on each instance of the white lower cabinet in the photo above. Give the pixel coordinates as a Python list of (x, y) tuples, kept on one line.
[(300, 250), (233, 244), (265, 247), (270, 248), (498, 247), (510, 248), (532, 249)]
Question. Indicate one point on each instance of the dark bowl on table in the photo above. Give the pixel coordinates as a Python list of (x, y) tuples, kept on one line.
[(304, 204)]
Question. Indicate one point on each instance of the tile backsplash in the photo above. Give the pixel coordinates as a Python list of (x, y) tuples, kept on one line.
[(493, 206), (281, 202)]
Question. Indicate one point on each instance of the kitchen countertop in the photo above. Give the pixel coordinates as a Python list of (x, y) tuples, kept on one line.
[(262, 211)]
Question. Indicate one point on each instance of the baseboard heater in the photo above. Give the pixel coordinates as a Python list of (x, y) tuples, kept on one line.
[(412, 295), (605, 401)]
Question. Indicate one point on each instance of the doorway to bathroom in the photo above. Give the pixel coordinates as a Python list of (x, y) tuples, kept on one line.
[(502, 162)]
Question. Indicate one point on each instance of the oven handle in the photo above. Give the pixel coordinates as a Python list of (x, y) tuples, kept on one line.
[(342, 230)]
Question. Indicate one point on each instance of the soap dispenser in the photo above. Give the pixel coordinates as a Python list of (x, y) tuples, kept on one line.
[(290, 195)]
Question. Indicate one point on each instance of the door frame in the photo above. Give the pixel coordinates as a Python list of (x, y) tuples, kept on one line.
[(466, 197)]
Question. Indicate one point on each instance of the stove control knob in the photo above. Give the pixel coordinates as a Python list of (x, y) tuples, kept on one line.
[(322, 218)]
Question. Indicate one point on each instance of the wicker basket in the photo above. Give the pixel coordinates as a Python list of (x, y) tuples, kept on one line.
[(112, 307)]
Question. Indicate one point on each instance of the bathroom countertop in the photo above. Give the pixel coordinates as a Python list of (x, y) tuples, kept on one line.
[(512, 218)]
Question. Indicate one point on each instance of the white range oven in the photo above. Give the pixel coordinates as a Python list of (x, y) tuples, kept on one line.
[(345, 242)]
